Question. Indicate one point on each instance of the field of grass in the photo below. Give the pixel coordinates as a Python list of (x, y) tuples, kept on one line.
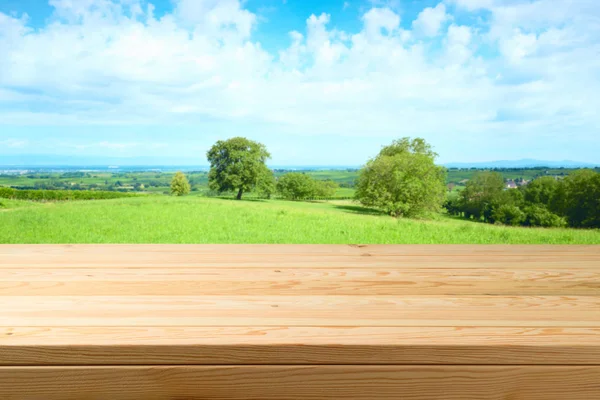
[(195, 219)]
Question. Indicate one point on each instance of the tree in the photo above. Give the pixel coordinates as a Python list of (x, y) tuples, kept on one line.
[(266, 185), (237, 164), (481, 192), (325, 188), (296, 186), (578, 199), (180, 185), (541, 190), (508, 214), (539, 215), (403, 179)]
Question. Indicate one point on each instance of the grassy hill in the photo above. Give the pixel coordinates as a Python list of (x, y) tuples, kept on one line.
[(195, 219)]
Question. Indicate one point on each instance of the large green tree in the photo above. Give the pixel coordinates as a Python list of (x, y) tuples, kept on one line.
[(403, 179), (237, 164)]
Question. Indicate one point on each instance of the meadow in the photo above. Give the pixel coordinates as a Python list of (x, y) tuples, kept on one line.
[(198, 219)]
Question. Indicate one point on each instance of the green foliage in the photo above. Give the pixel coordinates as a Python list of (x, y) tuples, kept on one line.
[(325, 189), (266, 185), (299, 186), (508, 214), (541, 190), (539, 215), (480, 194), (58, 195), (403, 180), (180, 185), (296, 186), (579, 199), (237, 164), (545, 202)]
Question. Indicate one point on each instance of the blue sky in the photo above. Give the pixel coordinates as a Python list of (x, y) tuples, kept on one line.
[(319, 82)]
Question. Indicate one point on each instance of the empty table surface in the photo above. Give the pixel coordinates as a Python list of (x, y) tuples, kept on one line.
[(299, 321)]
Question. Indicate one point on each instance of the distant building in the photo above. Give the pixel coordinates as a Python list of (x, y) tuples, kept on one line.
[(510, 184)]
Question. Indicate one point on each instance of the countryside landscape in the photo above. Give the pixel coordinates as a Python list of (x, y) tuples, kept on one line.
[(464, 205), (276, 121)]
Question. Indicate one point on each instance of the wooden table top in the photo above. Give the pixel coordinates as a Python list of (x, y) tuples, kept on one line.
[(299, 304)]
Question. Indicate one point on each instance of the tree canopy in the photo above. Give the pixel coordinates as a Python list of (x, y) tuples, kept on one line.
[(403, 179), (479, 194), (180, 185), (546, 201), (237, 164), (299, 186)]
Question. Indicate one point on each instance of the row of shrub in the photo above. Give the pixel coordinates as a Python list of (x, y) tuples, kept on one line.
[(59, 195), (573, 201)]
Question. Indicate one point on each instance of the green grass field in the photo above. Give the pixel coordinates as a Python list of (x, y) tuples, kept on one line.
[(195, 219)]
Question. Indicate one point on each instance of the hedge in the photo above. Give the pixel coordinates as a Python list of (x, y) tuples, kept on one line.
[(59, 195)]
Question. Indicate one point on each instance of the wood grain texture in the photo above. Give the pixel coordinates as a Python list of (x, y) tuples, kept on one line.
[(296, 281), (299, 322), (573, 311), (301, 382), (311, 256), (298, 345)]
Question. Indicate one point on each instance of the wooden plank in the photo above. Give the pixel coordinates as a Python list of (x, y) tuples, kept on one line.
[(302, 382), (312, 256), (582, 311), (297, 345), (296, 281)]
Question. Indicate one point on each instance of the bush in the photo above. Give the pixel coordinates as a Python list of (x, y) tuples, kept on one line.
[(540, 216), (296, 186), (266, 186), (508, 215), (325, 189), (180, 185), (59, 195)]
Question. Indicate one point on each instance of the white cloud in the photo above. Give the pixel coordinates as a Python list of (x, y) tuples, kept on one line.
[(378, 19), (473, 5), (104, 62), (430, 20), (518, 46), (224, 19), (458, 43)]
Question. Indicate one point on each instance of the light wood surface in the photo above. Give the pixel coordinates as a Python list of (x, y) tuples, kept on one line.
[(299, 321), (522, 311), (311, 256), (186, 281)]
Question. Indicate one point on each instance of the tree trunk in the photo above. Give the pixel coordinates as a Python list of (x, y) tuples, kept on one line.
[(239, 195)]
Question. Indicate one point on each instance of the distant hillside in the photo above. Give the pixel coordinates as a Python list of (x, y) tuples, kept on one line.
[(525, 163)]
